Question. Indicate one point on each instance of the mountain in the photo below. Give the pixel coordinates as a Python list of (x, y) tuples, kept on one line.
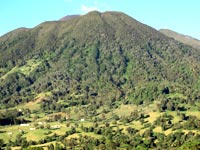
[(104, 53), (129, 81), (182, 38), (68, 17)]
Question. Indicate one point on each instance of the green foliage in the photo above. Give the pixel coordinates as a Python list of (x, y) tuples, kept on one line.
[(90, 65), (195, 145), (126, 61), (11, 117), (35, 148), (1, 143)]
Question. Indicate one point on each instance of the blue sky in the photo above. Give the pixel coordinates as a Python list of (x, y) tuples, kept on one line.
[(182, 16)]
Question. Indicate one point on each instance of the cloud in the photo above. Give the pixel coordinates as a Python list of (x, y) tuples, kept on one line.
[(87, 9)]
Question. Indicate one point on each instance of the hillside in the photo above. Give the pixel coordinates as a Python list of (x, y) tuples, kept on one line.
[(126, 79), (182, 38), (68, 17)]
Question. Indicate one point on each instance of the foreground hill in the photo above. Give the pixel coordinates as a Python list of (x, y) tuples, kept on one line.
[(182, 38), (94, 67)]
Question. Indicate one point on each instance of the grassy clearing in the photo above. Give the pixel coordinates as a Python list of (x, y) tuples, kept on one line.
[(193, 113), (176, 117), (26, 69), (150, 107), (177, 95), (36, 135), (137, 125), (41, 133), (91, 134), (45, 146), (30, 66), (153, 116), (167, 132), (34, 105), (86, 124), (158, 129), (125, 110), (10, 132), (16, 148)]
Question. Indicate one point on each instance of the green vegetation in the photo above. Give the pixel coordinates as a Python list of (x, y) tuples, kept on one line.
[(143, 127), (98, 81)]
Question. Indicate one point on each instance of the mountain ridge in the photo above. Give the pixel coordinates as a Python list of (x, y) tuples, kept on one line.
[(182, 38)]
